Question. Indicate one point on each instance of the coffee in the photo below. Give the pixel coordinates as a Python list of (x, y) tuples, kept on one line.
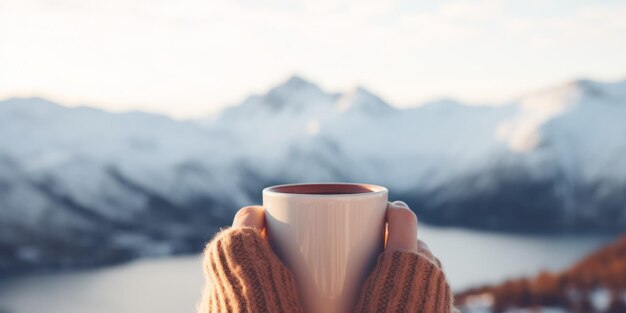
[(325, 189)]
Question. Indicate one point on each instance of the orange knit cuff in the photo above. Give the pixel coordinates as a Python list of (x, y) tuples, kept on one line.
[(404, 281), (245, 275)]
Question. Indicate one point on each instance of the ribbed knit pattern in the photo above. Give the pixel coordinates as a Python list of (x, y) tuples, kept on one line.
[(405, 282), (244, 275)]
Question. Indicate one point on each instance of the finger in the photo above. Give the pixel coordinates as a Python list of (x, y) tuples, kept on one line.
[(250, 216), (401, 227), (422, 248)]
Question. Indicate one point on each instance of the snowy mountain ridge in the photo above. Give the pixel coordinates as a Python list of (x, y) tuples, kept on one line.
[(297, 99), (138, 184)]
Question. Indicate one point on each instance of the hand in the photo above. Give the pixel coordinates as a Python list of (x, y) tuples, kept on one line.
[(401, 227), (242, 272), (251, 216), (402, 231), (223, 264)]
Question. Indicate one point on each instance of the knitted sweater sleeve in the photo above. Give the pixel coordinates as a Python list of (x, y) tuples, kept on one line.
[(244, 275), (404, 281)]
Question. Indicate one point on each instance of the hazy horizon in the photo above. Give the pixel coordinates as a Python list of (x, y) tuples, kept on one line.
[(209, 111), (188, 58)]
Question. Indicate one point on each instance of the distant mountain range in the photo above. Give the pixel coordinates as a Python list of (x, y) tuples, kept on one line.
[(80, 185)]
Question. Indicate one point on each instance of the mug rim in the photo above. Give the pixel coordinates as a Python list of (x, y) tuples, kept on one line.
[(374, 190)]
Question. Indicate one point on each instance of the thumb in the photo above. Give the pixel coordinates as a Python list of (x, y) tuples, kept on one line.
[(250, 216), (401, 227)]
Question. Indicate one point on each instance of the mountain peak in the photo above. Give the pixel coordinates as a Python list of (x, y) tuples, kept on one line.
[(31, 104), (363, 100), (588, 87), (295, 84), (574, 93), (29, 101), (297, 81), (296, 94)]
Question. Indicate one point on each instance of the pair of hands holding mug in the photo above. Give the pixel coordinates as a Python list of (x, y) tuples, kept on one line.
[(401, 227)]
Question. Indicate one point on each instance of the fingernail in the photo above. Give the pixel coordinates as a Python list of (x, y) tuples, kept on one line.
[(401, 203)]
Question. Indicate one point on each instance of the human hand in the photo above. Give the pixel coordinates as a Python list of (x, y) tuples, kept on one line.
[(402, 228), (230, 260), (242, 272), (250, 216), (407, 277)]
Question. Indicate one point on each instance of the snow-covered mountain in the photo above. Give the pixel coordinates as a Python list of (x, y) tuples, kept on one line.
[(72, 179)]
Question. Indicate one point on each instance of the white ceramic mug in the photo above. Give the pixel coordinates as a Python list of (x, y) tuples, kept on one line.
[(329, 235)]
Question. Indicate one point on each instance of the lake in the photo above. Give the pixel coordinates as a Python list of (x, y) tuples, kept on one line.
[(173, 284)]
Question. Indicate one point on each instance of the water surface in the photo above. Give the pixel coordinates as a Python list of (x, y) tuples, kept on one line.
[(173, 284)]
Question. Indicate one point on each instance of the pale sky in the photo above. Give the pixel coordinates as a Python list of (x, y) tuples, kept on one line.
[(186, 58)]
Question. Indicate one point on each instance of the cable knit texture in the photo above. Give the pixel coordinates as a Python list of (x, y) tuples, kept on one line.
[(244, 275)]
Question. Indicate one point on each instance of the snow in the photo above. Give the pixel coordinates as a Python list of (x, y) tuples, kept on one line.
[(365, 129), (479, 303), (23, 205), (114, 167), (80, 141), (581, 122), (360, 100), (577, 129), (600, 299), (567, 126)]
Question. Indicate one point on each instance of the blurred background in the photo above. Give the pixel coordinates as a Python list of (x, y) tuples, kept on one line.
[(130, 131)]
